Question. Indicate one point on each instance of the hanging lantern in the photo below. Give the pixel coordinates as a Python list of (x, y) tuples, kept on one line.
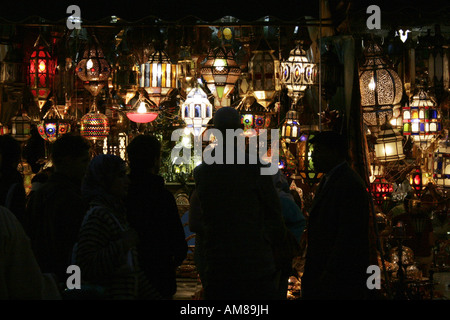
[(419, 180), (441, 174), (304, 155), (264, 72), (290, 130), (126, 74), (12, 67), (381, 190), (220, 72), (93, 69), (94, 125), (143, 111), (389, 144), (158, 76), (196, 111), (186, 68), (254, 116), (380, 87), (21, 126), (421, 120), (297, 73), (41, 71), (53, 125), (331, 73)]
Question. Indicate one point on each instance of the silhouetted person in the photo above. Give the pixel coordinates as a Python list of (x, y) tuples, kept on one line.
[(153, 213), (106, 247), (12, 190), (240, 233), (337, 256), (56, 209)]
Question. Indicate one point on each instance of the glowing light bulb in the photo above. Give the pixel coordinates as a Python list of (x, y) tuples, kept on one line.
[(89, 64), (142, 108), (41, 66), (372, 84), (220, 64)]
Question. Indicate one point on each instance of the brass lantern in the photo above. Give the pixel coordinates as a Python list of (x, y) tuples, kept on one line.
[(290, 130), (158, 76), (21, 126), (389, 144), (380, 87), (53, 125), (264, 72), (254, 116), (41, 71), (196, 111), (220, 72), (94, 125)]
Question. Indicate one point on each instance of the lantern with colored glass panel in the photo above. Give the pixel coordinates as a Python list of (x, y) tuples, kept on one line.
[(196, 111), (290, 130), (41, 71), (419, 180), (158, 76), (304, 155), (94, 125), (53, 125), (380, 87), (389, 144), (220, 72), (441, 174), (381, 190), (254, 116), (21, 126)]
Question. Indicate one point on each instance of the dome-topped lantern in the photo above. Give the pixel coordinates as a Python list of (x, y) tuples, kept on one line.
[(220, 72), (196, 111), (53, 125), (380, 87)]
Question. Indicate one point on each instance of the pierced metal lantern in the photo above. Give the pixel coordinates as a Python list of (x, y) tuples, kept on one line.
[(144, 110), (380, 87), (94, 125), (421, 119), (304, 155), (21, 126), (53, 125), (290, 130), (264, 70), (441, 167), (381, 190), (254, 116), (93, 69), (196, 111), (158, 76), (297, 73), (186, 68), (220, 72), (41, 71), (389, 144)]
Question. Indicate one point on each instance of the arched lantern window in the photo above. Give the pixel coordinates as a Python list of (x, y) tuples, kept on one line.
[(389, 144), (41, 71), (196, 111), (380, 87), (220, 72)]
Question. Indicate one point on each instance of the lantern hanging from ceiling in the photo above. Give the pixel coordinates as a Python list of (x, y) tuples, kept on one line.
[(186, 68), (264, 73), (196, 111), (41, 71), (12, 67), (126, 74), (93, 69), (421, 119), (297, 73), (158, 76), (94, 125), (304, 155), (381, 190), (380, 87), (254, 116), (419, 180), (220, 72), (331, 73), (290, 130), (21, 126), (144, 110), (441, 168), (389, 144), (53, 125)]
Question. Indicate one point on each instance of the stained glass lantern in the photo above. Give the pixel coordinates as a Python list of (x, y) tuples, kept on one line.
[(220, 72), (389, 144), (297, 73), (21, 126), (419, 180), (53, 125), (441, 168), (158, 76), (290, 130), (94, 125), (254, 116), (264, 73), (381, 190), (93, 69), (304, 155), (380, 87), (421, 119), (41, 71), (143, 111), (196, 111)]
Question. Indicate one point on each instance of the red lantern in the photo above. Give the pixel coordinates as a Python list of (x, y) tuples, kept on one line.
[(41, 71), (381, 190)]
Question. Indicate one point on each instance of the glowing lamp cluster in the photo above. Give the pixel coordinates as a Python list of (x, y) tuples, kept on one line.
[(196, 111), (220, 72), (297, 73), (53, 125), (41, 71), (389, 144), (421, 119), (381, 190), (380, 87)]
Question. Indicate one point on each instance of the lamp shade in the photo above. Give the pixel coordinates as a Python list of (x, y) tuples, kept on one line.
[(143, 111), (196, 111), (380, 87), (220, 72), (389, 144)]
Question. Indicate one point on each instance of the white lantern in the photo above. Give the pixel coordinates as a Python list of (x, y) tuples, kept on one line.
[(196, 111)]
